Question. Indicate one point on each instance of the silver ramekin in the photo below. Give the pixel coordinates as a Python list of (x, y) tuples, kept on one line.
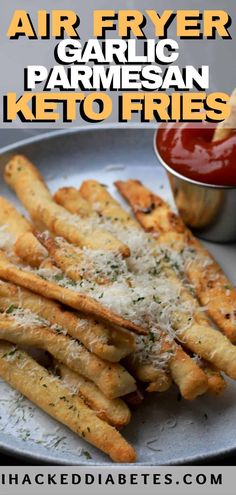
[(210, 211)]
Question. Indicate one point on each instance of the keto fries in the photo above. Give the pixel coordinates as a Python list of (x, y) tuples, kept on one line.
[(105, 294)]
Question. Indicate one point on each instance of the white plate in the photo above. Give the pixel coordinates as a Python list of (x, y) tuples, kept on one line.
[(164, 430)]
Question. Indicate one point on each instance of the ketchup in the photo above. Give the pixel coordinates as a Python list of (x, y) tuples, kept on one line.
[(190, 151)]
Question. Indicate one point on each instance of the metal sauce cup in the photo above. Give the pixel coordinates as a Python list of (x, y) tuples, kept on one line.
[(209, 210)]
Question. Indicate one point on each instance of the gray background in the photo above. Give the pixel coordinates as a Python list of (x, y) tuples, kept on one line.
[(17, 54)]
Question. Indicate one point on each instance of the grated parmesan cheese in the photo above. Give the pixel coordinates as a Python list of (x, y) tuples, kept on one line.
[(26, 318), (138, 288)]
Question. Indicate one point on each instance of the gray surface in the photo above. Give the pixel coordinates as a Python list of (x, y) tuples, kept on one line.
[(163, 430)]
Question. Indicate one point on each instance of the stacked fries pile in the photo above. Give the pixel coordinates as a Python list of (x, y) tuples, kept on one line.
[(115, 300)]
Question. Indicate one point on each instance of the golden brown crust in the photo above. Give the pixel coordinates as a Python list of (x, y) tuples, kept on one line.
[(114, 411), (13, 222), (64, 255), (29, 249), (110, 344), (75, 300), (32, 191), (145, 206), (162, 384), (102, 202), (199, 337), (71, 199), (216, 382), (148, 373), (213, 289), (181, 366), (71, 260), (112, 378), (212, 346), (48, 393), (185, 372)]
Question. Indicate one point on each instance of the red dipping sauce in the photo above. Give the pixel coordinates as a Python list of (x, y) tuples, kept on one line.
[(190, 151)]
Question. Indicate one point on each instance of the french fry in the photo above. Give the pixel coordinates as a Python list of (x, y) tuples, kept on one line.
[(145, 206), (162, 384), (64, 255), (32, 191), (15, 223), (158, 379), (181, 365), (122, 339), (102, 202), (73, 261), (20, 231), (114, 411), (216, 382), (212, 346), (224, 129), (213, 289), (112, 378), (188, 376), (71, 199), (49, 393), (81, 302), (29, 249), (109, 344), (12, 224), (48, 264)]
